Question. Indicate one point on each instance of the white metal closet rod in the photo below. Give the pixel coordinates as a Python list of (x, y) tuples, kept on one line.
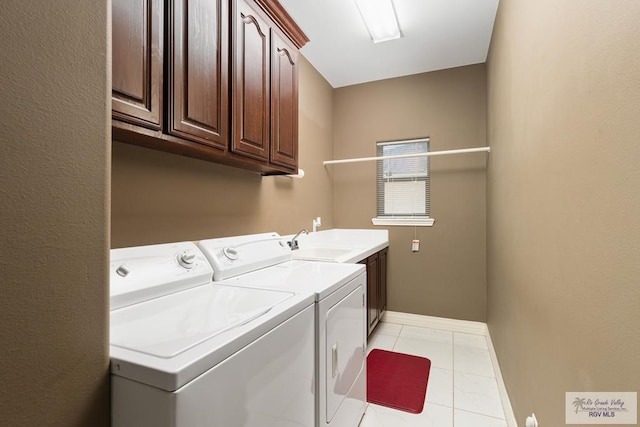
[(401, 156)]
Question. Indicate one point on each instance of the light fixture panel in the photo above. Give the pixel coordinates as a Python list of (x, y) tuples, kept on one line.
[(380, 18)]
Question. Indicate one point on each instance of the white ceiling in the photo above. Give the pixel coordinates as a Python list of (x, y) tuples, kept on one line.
[(438, 34)]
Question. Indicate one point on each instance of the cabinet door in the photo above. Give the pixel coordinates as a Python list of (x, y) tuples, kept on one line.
[(251, 96), (372, 292), (382, 282), (284, 102), (198, 71), (137, 36)]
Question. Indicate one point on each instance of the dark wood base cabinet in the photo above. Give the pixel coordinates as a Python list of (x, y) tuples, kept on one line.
[(376, 287), (211, 79)]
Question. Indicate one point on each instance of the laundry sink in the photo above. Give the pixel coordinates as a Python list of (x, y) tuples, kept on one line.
[(321, 254), (339, 245)]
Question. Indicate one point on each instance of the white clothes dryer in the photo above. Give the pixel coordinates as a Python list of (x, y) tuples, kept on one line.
[(186, 352), (340, 316)]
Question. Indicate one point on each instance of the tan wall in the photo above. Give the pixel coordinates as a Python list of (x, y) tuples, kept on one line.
[(159, 197), (564, 198), (447, 277), (54, 213)]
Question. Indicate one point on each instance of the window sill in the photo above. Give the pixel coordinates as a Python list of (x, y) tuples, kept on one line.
[(411, 222)]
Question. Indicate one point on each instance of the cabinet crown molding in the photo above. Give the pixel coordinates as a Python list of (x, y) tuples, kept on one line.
[(286, 23)]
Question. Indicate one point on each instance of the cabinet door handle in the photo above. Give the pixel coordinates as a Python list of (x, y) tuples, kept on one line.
[(334, 360), (283, 52), (249, 19)]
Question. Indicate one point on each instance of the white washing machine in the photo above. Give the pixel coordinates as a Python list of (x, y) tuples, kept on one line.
[(186, 352), (340, 315)]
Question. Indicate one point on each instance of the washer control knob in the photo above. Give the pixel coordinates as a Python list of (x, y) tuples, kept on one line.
[(230, 253), (122, 271), (186, 259)]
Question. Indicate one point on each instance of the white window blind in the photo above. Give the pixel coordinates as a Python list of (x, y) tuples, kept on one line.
[(403, 184)]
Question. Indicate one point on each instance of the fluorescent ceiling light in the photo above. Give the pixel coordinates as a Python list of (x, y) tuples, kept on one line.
[(380, 18)]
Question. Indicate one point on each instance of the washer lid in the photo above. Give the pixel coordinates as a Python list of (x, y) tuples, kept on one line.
[(168, 326)]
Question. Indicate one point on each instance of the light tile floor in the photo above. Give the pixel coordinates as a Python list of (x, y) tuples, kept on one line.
[(462, 390)]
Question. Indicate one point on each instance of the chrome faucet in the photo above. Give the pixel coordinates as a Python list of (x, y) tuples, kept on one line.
[(293, 244)]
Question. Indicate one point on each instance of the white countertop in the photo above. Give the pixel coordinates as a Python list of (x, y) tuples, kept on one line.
[(340, 244)]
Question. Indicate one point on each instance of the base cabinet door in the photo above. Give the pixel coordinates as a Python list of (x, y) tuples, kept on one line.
[(372, 291), (382, 282), (376, 288)]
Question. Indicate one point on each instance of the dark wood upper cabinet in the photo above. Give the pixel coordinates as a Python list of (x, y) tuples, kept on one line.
[(198, 97), (251, 83), (211, 79), (137, 62), (284, 101)]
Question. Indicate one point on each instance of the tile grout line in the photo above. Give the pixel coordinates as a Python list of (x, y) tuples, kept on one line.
[(482, 415)]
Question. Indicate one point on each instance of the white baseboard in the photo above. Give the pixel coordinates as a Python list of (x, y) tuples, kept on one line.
[(504, 396), (463, 326), (454, 325)]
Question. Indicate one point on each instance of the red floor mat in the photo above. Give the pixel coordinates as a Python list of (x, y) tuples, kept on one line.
[(397, 380)]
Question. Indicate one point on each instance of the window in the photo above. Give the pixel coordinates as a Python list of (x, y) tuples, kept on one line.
[(403, 183)]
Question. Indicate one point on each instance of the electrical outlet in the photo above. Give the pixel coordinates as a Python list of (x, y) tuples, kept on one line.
[(415, 245), (531, 421)]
